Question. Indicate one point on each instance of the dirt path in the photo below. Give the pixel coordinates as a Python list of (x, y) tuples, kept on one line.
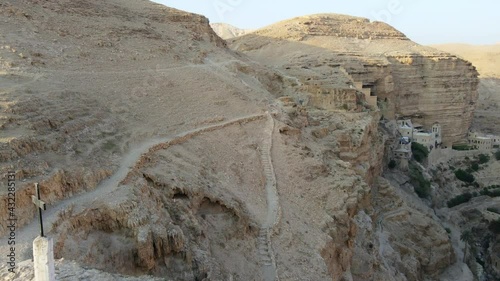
[(264, 246), (27, 234), (208, 65)]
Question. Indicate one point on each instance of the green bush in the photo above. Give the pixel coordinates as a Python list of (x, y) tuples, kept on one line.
[(421, 185), (497, 155), (493, 210), (392, 164), (447, 230), (460, 199), (420, 152), (461, 147), (495, 226), (474, 167), (464, 176), (492, 191), (483, 158)]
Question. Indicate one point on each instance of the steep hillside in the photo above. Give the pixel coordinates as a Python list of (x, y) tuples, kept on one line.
[(85, 81), (486, 59), (227, 31), (87, 87), (152, 145), (406, 78)]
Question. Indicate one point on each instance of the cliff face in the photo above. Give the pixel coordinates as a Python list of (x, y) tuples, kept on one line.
[(436, 88), (406, 79), (485, 58)]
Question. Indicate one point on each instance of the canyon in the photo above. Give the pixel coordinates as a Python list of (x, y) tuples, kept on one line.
[(167, 153)]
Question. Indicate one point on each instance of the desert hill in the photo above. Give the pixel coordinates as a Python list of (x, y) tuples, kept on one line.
[(227, 31), (162, 153), (407, 79), (87, 87)]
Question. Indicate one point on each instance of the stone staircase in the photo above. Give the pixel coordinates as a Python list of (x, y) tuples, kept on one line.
[(264, 248)]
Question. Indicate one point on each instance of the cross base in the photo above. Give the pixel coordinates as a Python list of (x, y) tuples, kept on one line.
[(43, 259)]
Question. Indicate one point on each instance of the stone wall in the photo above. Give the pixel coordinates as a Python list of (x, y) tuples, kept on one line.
[(437, 156)]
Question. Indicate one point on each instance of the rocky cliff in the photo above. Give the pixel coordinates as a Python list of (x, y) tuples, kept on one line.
[(343, 52), (162, 152), (485, 57)]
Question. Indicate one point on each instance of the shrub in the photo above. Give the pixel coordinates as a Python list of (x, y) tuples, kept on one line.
[(460, 199), (475, 167), (447, 230), (491, 191), (420, 152), (464, 176), (483, 158), (421, 185), (461, 147), (392, 164), (493, 210), (495, 226), (497, 155)]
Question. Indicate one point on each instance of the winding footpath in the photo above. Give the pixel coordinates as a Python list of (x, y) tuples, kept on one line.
[(26, 234), (264, 246)]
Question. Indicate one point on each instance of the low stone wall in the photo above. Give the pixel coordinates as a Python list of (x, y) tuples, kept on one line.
[(437, 156), (488, 181)]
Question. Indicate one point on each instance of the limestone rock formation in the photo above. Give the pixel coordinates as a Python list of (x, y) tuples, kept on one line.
[(411, 240), (485, 57), (344, 53)]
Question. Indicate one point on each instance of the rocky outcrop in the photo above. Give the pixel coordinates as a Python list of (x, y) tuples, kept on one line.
[(411, 244), (59, 186), (335, 25), (347, 52), (164, 239), (337, 162)]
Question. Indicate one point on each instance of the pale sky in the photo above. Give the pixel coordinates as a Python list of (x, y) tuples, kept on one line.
[(424, 21)]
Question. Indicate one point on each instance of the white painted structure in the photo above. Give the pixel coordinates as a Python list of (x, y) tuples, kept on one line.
[(43, 259), (431, 139)]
